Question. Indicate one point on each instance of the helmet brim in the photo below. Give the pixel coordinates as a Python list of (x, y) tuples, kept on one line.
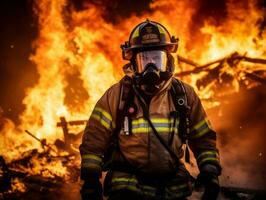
[(130, 51)]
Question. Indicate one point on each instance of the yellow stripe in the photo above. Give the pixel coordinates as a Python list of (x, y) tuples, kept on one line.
[(104, 123), (198, 125), (130, 187), (161, 30), (154, 120), (148, 187), (132, 180), (140, 130), (148, 190), (206, 153), (91, 156), (135, 33), (201, 133), (106, 114), (139, 121), (178, 187), (146, 130), (149, 193), (91, 166)]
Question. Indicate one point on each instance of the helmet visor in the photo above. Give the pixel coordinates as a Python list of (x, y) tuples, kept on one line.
[(156, 57)]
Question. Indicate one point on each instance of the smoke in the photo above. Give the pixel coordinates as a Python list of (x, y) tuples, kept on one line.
[(241, 137)]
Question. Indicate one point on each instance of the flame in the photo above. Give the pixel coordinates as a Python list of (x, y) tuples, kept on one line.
[(77, 56), (18, 186)]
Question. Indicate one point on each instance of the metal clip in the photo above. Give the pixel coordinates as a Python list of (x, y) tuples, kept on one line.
[(126, 126)]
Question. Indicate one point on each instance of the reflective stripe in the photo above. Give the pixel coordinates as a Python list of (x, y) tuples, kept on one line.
[(136, 33), (122, 183), (207, 156), (91, 161), (131, 183), (207, 153), (154, 120), (208, 159), (148, 190), (163, 125), (129, 187), (91, 156), (103, 117), (128, 180), (200, 129), (104, 113), (91, 166), (178, 187), (179, 194), (198, 125), (177, 191), (161, 30)]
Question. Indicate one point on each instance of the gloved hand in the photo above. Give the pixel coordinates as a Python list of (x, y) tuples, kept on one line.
[(91, 190), (208, 178)]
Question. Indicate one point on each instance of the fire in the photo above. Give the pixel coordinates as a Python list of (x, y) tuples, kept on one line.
[(77, 56), (239, 32), (18, 186)]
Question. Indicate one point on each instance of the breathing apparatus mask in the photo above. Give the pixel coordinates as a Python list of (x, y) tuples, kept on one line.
[(151, 69)]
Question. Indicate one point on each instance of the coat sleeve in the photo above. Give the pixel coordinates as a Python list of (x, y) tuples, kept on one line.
[(202, 137), (97, 132)]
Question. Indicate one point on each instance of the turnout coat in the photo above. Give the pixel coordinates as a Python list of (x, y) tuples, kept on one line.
[(141, 150)]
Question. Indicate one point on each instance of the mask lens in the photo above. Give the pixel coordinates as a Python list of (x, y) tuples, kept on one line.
[(157, 57)]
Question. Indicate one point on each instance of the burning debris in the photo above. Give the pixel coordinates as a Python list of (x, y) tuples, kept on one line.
[(226, 72)]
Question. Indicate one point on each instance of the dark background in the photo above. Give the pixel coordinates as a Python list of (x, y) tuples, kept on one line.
[(18, 30)]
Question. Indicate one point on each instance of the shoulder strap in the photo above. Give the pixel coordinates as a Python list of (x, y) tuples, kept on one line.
[(125, 94), (180, 101)]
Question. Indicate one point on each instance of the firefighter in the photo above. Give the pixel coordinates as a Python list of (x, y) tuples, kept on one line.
[(142, 126)]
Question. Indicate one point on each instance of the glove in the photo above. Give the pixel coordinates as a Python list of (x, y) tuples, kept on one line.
[(92, 188), (208, 178)]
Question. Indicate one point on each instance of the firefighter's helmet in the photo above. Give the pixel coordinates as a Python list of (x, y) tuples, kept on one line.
[(149, 35)]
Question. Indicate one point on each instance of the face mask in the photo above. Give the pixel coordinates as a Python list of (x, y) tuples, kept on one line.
[(150, 66), (157, 58)]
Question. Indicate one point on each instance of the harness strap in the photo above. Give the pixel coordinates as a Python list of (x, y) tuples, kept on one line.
[(179, 97), (147, 117), (126, 91)]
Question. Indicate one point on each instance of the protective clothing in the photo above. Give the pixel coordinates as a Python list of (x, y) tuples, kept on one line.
[(141, 149)]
